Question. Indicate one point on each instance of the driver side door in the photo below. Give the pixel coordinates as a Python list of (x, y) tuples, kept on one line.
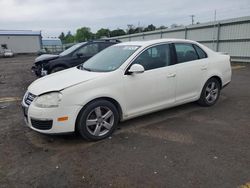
[(84, 53), (153, 89)]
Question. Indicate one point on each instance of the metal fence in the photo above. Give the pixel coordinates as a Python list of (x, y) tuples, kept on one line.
[(54, 49), (231, 36)]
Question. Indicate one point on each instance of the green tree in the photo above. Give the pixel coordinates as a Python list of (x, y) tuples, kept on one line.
[(103, 33), (138, 30), (83, 34), (69, 38), (62, 37), (117, 32), (150, 27), (161, 27), (131, 31)]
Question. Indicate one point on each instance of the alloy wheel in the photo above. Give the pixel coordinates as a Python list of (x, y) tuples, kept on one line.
[(212, 91), (100, 121)]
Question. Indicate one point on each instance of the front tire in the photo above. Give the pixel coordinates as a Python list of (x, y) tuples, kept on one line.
[(57, 69), (97, 120), (210, 92)]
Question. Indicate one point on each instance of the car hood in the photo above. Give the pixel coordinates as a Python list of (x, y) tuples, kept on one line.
[(61, 80), (46, 57)]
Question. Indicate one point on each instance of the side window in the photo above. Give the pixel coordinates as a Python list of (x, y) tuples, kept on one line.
[(154, 57), (200, 52), (185, 52), (88, 50)]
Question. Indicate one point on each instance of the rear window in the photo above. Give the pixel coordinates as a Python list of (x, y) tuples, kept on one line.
[(200, 52), (103, 45), (185, 52)]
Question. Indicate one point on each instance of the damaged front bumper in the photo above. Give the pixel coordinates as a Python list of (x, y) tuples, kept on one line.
[(39, 70)]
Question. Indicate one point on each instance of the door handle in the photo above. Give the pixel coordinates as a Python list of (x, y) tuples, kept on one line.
[(171, 75), (204, 68)]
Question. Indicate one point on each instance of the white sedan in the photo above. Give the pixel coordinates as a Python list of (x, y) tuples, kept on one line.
[(125, 81)]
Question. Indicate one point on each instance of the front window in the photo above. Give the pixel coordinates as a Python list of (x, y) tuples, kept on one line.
[(155, 57), (71, 49), (110, 59), (88, 50)]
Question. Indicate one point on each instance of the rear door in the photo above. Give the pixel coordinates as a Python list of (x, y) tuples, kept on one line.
[(191, 70)]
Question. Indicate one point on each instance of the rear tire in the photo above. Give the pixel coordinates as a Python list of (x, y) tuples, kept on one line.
[(97, 120), (210, 92)]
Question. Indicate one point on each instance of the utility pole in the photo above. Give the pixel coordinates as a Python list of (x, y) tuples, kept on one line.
[(215, 14), (192, 17)]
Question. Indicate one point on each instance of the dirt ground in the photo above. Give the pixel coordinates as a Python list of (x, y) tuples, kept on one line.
[(186, 146)]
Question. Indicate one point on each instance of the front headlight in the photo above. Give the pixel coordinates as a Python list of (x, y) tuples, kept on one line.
[(48, 100)]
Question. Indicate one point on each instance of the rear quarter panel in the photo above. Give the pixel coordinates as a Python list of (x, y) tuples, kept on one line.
[(220, 65)]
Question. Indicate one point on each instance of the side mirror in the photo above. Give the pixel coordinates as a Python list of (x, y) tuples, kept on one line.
[(136, 69)]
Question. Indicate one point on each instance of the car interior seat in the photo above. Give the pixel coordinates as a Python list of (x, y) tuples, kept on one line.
[(190, 55)]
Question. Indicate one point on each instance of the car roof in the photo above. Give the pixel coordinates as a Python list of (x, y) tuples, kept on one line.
[(151, 42), (98, 40), (105, 40)]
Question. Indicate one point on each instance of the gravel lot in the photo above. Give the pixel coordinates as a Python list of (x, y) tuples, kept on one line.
[(186, 146)]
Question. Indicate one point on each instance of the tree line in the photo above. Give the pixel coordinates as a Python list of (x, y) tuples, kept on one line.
[(84, 33)]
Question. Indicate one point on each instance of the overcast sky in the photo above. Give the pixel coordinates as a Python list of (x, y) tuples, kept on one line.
[(55, 16)]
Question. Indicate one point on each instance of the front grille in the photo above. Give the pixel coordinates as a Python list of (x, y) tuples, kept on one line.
[(29, 98), (41, 124)]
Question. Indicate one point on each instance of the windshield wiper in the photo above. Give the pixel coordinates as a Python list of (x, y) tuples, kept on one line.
[(81, 67), (87, 69)]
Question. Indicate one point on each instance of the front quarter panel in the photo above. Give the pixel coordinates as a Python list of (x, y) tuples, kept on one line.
[(108, 85), (55, 63)]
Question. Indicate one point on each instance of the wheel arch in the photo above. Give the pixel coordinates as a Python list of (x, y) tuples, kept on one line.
[(212, 76), (217, 78), (113, 101), (57, 65), (201, 99)]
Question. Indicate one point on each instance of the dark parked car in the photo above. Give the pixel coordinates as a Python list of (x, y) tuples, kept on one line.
[(73, 56)]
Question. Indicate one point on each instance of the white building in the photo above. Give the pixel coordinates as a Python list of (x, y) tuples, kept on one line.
[(21, 41)]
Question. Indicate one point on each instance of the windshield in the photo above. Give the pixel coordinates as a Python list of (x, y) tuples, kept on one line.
[(71, 49), (110, 59)]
